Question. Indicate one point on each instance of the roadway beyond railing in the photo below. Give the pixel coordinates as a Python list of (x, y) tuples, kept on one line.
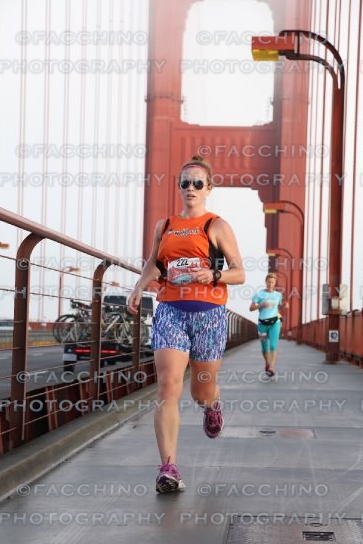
[(35, 338), (44, 394)]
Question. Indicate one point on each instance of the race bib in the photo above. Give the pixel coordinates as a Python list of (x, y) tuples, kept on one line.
[(181, 270)]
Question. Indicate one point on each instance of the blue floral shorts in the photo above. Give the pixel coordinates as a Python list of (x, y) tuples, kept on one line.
[(202, 334)]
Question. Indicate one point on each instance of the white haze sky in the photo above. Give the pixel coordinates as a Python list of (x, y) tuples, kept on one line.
[(212, 96)]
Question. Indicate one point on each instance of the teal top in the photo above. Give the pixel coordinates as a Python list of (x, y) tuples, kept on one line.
[(274, 298)]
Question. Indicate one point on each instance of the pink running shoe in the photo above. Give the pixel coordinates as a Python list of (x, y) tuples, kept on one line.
[(213, 421), (169, 479)]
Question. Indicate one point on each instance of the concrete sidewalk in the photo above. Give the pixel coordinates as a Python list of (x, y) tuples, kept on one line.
[(291, 449)]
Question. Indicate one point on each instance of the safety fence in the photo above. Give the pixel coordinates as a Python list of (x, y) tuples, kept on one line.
[(82, 359), (350, 333)]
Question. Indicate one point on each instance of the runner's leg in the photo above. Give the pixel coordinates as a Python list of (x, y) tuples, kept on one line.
[(274, 334), (203, 382), (265, 343), (170, 368)]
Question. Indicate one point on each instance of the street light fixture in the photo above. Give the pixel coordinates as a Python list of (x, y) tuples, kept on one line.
[(270, 48), (276, 252), (64, 270), (284, 206), (288, 44), (279, 251)]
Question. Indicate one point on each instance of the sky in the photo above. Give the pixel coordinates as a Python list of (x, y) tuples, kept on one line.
[(74, 108), (221, 85), (59, 109), (218, 91)]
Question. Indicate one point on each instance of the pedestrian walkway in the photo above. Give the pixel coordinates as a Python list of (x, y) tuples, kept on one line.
[(291, 449)]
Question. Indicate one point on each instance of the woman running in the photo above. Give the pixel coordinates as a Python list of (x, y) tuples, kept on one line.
[(190, 322), (269, 303)]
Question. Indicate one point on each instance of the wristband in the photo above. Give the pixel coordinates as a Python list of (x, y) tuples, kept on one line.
[(216, 277)]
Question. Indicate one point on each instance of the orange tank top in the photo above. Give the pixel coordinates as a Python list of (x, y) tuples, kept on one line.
[(185, 245)]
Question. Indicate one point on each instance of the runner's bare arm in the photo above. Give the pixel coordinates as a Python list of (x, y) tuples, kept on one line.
[(255, 306), (149, 273)]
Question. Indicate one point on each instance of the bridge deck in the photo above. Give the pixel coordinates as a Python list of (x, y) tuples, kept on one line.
[(290, 447)]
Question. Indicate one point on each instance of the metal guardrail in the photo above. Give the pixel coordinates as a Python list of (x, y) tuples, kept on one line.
[(314, 334), (19, 423)]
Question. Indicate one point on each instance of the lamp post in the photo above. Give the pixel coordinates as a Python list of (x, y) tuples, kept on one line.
[(285, 206), (280, 251), (64, 270), (288, 44)]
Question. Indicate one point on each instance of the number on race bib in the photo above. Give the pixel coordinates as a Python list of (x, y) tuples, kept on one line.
[(181, 270), (181, 262)]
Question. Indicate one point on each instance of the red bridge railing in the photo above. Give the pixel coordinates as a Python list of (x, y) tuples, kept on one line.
[(351, 337), (36, 400)]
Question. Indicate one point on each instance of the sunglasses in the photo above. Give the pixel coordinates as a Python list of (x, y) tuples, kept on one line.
[(198, 184)]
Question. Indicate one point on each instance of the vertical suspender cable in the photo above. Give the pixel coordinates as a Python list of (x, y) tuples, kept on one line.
[(109, 121), (309, 195), (44, 208), (321, 176), (142, 18), (63, 225), (118, 199), (82, 111), (355, 154), (320, 99), (127, 123), (304, 271), (97, 105), (22, 113)]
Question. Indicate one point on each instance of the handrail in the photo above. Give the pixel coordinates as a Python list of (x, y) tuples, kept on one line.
[(43, 232), (20, 426)]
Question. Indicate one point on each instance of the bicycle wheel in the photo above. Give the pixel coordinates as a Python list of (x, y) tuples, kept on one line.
[(83, 330), (122, 335), (61, 327), (145, 335), (79, 331)]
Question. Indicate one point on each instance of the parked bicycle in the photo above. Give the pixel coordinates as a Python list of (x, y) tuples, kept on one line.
[(116, 326), (74, 327)]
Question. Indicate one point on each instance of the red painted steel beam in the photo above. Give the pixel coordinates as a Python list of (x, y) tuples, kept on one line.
[(96, 319), (170, 142)]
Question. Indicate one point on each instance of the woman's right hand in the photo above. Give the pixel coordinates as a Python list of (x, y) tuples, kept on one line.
[(134, 301)]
